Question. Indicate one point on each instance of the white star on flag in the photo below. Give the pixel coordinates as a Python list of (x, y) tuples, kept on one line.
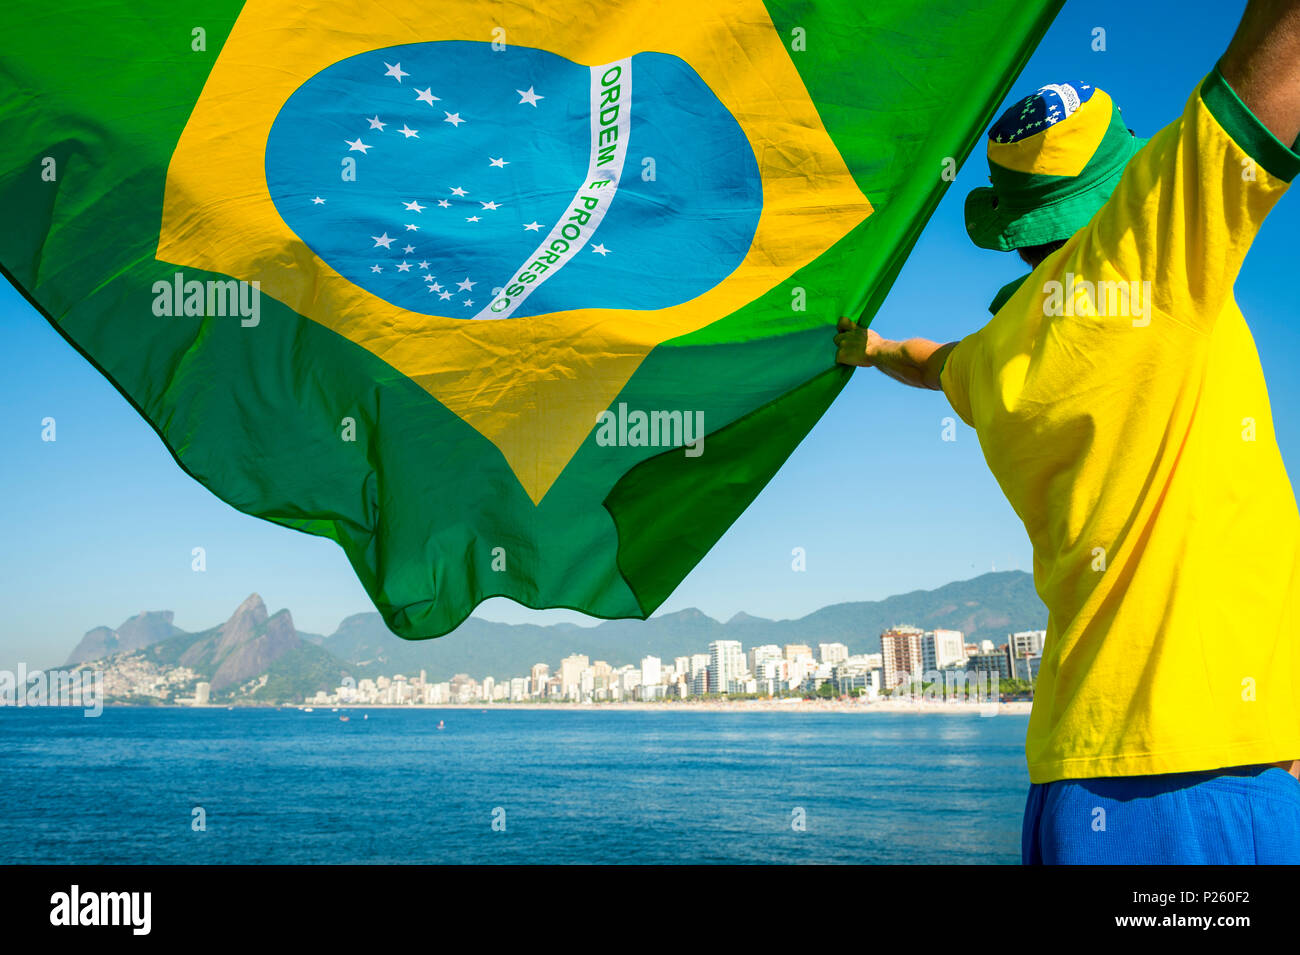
[(454, 119), (458, 191), (356, 145), (413, 205), (488, 205), (529, 97), (498, 162), (426, 96), (318, 201), (532, 226), (600, 250), (409, 249), (468, 301), (408, 132), (376, 268), (404, 267), (383, 240), (395, 71), (471, 218), (424, 265), (466, 285), (443, 203), (444, 295), (412, 227), (375, 123)]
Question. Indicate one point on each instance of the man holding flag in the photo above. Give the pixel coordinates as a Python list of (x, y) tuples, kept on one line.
[(1119, 401)]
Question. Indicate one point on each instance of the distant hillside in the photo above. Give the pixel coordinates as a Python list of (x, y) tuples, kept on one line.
[(241, 648), (140, 631), (481, 647), (253, 655), (300, 672), (986, 607)]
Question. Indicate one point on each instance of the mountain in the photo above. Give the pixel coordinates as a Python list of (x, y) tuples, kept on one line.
[(248, 645), (985, 607), (145, 628), (243, 647), (253, 655)]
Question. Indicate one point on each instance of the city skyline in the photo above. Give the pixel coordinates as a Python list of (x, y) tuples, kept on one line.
[(909, 655)]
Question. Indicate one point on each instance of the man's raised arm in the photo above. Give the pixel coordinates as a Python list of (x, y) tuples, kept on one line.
[(916, 362), (1262, 65)]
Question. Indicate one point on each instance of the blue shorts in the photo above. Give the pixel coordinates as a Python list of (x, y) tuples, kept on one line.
[(1241, 816)]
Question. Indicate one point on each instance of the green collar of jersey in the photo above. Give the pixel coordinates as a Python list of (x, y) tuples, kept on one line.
[(1006, 292)]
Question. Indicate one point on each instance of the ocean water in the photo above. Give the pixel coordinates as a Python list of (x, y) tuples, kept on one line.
[(570, 786)]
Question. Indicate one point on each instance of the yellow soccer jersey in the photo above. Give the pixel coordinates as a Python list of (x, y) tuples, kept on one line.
[(1119, 401)]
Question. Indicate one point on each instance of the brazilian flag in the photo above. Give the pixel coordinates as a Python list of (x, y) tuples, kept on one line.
[(507, 299)]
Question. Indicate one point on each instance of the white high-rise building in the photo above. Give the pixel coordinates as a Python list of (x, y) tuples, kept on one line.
[(571, 668), (726, 663), (540, 676), (698, 674), (832, 653), (202, 693), (628, 680), (1028, 643), (651, 671), (771, 675), (942, 648), (768, 651), (518, 689)]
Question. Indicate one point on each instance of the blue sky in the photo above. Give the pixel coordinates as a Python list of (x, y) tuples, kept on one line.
[(100, 524)]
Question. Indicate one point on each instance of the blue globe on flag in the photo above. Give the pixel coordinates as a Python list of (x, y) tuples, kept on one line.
[(454, 179)]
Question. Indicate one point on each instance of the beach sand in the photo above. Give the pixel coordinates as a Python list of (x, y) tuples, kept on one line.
[(718, 706)]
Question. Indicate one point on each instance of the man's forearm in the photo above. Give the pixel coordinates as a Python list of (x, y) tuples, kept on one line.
[(916, 361)]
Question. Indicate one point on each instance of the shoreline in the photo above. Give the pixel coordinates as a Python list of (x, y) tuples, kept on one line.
[(1021, 707)]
